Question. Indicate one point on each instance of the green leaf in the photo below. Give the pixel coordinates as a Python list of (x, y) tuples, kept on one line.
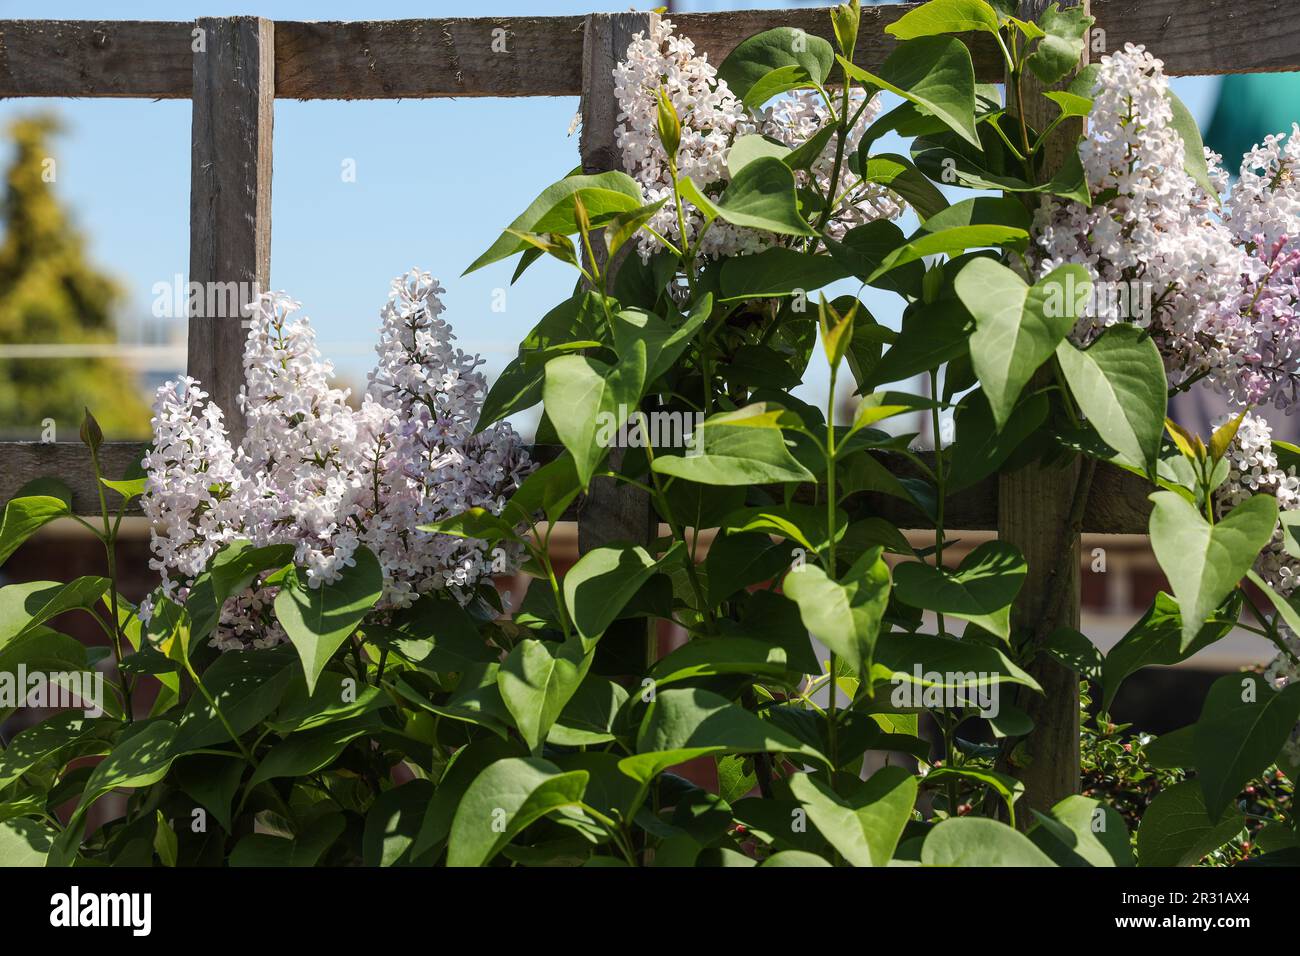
[(301, 755), (844, 615), (711, 656), (24, 842), (1059, 50), (778, 271), (683, 723), (465, 766), (901, 176), (61, 736), (504, 799), (247, 686), (931, 335), (305, 849), (929, 660), (1193, 148), (1205, 563), (394, 822), (750, 147), (603, 580), (744, 447), (1119, 383), (26, 607), (37, 504), (1017, 326), (588, 401), (626, 225), (604, 195), (435, 633), (1156, 639), (319, 619), (784, 47), (778, 81), (804, 524), (537, 680), (140, 760), (1176, 830), (944, 16), (478, 524), (737, 560), (865, 827), (800, 858), (663, 343), (1081, 831), (982, 447), (981, 589), (589, 716), (762, 196), (1242, 728), (1007, 787), (979, 841), (949, 242), (936, 74), (212, 781)]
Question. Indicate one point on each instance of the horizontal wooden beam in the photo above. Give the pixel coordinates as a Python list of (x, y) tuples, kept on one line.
[(542, 56), (1118, 504), (69, 461)]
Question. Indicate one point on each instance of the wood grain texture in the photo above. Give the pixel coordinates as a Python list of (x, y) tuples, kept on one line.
[(1037, 508), (230, 199), (388, 59), (610, 511), (542, 56), (111, 58), (69, 461)]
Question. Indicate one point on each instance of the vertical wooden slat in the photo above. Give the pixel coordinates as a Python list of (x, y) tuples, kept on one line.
[(1038, 513), (230, 197), (611, 511)]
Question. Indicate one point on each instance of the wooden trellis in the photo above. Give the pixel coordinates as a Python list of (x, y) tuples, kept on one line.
[(233, 69)]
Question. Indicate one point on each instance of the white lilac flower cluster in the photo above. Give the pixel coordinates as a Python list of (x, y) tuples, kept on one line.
[(712, 119), (323, 476), (1222, 283), (1254, 469)]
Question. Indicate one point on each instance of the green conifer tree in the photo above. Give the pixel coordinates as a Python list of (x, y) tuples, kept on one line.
[(51, 294)]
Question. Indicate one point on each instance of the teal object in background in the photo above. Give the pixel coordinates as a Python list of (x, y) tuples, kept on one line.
[(1250, 107)]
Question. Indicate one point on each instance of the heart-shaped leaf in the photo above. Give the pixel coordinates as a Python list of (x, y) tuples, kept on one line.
[(318, 620), (844, 615), (1119, 383), (980, 590), (1017, 326), (1203, 562)]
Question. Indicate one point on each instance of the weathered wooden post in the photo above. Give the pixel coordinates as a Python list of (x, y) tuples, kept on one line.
[(611, 511), (1039, 511), (230, 197)]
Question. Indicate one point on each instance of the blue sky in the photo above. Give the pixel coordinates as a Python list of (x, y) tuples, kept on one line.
[(436, 180)]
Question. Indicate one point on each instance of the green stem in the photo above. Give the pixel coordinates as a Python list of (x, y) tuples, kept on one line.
[(832, 719), (665, 509), (938, 480), (217, 710), (109, 539)]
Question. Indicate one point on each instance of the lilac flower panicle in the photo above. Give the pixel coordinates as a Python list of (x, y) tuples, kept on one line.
[(1254, 469), (1223, 281), (317, 473), (712, 119)]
